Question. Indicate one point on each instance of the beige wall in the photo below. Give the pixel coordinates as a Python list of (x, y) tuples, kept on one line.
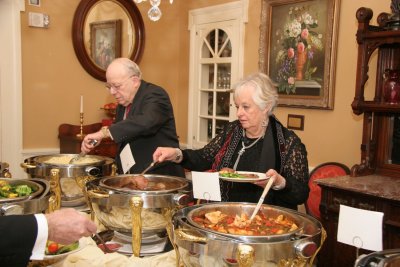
[(53, 79)]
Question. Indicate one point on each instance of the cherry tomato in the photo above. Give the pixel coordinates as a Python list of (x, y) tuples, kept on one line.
[(52, 248)]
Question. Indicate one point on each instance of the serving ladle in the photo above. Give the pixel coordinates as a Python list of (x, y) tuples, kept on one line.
[(261, 200)]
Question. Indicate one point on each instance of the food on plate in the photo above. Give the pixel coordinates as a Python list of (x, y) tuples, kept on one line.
[(8, 190), (239, 224), (54, 248), (65, 159), (121, 217), (231, 173)]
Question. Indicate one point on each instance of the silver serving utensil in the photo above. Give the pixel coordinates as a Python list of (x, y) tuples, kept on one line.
[(106, 249), (261, 200), (148, 168), (93, 142)]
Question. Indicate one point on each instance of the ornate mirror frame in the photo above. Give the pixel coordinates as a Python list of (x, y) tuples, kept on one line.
[(78, 40)]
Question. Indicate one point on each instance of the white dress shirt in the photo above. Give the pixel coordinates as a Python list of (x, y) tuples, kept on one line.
[(41, 239)]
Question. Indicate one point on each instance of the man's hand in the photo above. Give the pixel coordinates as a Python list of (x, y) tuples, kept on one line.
[(68, 225)]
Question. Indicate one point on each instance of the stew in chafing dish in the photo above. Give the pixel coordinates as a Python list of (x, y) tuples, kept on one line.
[(236, 224)]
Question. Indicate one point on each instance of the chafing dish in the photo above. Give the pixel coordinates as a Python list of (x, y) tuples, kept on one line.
[(72, 177), (134, 211), (35, 203), (198, 246)]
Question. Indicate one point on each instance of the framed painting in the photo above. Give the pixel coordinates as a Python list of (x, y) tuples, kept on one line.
[(298, 40), (105, 42), (34, 2)]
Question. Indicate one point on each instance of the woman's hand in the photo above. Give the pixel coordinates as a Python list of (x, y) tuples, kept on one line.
[(164, 153), (279, 183)]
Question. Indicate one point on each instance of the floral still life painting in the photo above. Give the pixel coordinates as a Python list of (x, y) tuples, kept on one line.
[(298, 45), (298, 50)]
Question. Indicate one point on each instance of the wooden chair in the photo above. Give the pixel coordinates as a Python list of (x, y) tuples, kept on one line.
[(324, 170)]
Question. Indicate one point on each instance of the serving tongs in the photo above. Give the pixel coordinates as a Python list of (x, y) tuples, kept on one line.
[(93, 142), (261, 200), (102, 238)]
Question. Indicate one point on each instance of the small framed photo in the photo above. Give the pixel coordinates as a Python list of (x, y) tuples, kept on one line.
[(295, 122), (34, 2), (105, 41)]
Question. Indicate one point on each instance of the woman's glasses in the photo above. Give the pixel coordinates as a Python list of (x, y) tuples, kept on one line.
[(117, 87)]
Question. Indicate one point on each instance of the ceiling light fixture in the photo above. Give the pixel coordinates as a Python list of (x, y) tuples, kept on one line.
[(154, 12)]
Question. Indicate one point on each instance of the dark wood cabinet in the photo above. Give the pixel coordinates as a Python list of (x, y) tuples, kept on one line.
[(379, 115), (371, 192), (374, 184), (70, 142)]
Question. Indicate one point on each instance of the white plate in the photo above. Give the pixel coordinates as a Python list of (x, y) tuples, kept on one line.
[(82, 243), (261, 177)]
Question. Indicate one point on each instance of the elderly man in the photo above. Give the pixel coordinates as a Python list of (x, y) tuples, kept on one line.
[(144, 120)]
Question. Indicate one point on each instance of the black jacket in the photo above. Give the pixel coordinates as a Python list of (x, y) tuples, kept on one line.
[(149, 124), (18, 236)]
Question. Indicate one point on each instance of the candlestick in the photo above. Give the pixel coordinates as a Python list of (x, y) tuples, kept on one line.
[(81, 135), (81, 110)]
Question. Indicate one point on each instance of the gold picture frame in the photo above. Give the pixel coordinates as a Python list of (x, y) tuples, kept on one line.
[(105, 42), (298, 42)]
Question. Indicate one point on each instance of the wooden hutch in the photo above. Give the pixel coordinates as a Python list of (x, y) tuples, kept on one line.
[(374, 184)]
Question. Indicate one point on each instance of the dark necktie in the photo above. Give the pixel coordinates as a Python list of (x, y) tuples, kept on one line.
[(127, 109)]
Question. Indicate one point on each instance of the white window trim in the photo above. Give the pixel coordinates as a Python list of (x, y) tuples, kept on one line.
[(231, 11), (11, 85)]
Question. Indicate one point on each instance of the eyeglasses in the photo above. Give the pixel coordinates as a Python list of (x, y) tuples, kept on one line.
[(117, 87)]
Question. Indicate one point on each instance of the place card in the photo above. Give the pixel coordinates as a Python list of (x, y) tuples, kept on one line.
[(206, 186), (360, 228)]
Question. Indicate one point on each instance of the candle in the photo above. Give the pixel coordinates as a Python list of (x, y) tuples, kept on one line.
[(81, 103)]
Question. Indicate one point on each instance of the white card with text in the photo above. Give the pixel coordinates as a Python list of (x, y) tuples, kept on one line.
[(127, 160), (360, 228), (206, 186)]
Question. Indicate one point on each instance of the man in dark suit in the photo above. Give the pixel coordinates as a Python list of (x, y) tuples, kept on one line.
[(144, 121), (24, 237)]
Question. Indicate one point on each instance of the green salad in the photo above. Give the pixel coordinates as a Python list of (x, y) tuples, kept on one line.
[(13, 191)]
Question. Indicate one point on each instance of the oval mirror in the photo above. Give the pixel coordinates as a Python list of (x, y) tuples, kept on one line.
[(106, 29)]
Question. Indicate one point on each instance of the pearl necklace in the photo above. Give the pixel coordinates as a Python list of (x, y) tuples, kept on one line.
[(243, 149)]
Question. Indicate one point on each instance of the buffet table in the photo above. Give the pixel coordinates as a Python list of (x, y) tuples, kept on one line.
[(92, 256)]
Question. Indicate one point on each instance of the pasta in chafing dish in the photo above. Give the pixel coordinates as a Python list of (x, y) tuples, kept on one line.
[(65, 159), (120, 217)]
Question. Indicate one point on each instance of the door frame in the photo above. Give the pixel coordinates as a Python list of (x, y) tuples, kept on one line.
[(236, 11)]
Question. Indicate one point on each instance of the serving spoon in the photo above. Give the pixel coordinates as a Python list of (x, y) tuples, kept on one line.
[(148, 168), (93, 142), (261, 200)]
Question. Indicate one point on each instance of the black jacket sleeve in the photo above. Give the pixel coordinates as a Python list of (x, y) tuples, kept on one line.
[(18, 236)]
